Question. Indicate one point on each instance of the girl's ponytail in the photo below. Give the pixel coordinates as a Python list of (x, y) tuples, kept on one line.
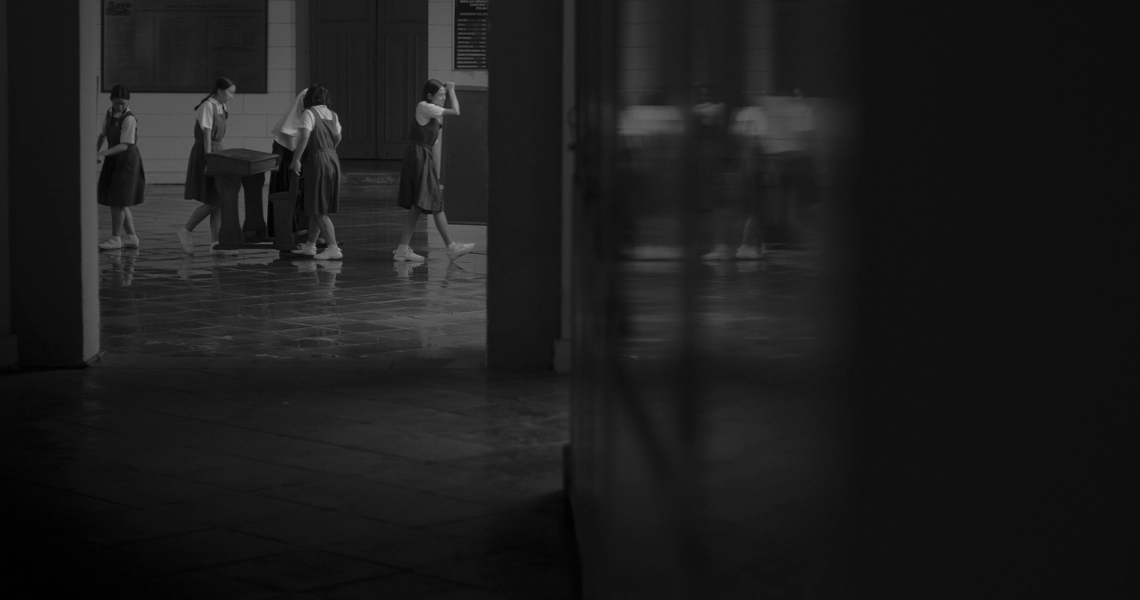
[(222, 83)]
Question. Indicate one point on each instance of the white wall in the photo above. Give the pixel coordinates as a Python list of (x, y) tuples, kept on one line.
[(166, 121), (88, 212), (441, 46)]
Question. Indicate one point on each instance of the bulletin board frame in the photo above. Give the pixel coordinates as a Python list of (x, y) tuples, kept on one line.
[(471, 33), (182, 73)]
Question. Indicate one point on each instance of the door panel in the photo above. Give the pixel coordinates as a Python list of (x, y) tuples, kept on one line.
[(403, 56), (406, 11), (344, 61), (372, 55)]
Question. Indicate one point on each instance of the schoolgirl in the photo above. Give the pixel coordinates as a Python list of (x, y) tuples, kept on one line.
[(316, 161), (420, 187), (284, 144), (209, 131), (122, 181)]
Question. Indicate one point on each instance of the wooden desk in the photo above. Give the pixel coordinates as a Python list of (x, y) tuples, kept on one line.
[(227, 167)]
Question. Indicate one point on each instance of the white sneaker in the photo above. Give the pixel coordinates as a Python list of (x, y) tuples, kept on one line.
[(111, 243), (186, 239), (751, 253), (408, 255), (307, 249), (216, 250), (718, 253), (330, 253), (131, 241), (455, 250)]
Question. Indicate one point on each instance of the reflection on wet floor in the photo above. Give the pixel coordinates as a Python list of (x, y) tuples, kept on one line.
[(752, 387), (264, 427), (158, 301)]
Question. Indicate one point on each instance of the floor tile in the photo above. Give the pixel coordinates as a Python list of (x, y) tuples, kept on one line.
[(131, 525), (207, 548), (515, 573), (317, 528), (232, 508), (331, 492), (261, 427), (245, 475), (410, 585), (191, 585), (148, 491), (302, 570), (411, 548), (418, 509)]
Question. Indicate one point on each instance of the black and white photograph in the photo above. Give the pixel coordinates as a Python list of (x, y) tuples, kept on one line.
[(558, 300)]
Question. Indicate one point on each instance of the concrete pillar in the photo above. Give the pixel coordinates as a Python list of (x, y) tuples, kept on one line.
[(7, 339), (53, 68), (524, 212)]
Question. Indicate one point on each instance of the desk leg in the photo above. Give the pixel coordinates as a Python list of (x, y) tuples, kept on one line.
[(230, 234), (282, 203), (254, 227)]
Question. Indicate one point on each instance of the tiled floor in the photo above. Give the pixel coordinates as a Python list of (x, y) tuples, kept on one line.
[(158, 301), (269, 428)]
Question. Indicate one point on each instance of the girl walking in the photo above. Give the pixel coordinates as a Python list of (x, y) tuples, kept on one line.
[(315, 159), (420, 188), (284, 144), (122, 180), (209, 130)]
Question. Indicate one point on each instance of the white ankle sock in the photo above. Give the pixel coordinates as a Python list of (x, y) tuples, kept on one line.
[(402, 248)]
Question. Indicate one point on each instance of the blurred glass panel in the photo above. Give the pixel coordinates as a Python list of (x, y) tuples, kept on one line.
[(707, 439)]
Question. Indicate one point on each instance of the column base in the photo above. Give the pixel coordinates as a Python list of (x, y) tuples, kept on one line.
[(562, 353), (8, 354)]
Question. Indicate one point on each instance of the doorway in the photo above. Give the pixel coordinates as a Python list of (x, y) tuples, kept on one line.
[(372, 56)]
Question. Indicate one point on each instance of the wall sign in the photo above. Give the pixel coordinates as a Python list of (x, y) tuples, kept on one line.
[(184, 45), (471, 35)]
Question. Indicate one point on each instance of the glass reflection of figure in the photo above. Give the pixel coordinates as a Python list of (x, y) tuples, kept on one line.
[(717, 171), (793, 162), (749, 127), (649, 136)]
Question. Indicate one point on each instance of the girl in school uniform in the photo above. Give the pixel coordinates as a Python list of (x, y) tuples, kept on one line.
[(315, 159), (122, 181), (420, 188), (284, 144), (209, 130)]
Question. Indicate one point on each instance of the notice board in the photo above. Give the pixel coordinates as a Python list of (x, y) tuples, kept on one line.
[(471, 35), (185, 45)]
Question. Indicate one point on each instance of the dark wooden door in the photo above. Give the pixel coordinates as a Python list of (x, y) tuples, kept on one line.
[(343, 55), (403, 30), (372, 55)]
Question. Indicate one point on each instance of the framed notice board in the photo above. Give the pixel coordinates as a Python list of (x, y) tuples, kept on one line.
[(471, 35), (184, 45)]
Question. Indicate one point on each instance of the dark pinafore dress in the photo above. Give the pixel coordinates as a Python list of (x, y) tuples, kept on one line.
[(122, 181), (419, 173), (320, 170), (279, 182), (198, 186)]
